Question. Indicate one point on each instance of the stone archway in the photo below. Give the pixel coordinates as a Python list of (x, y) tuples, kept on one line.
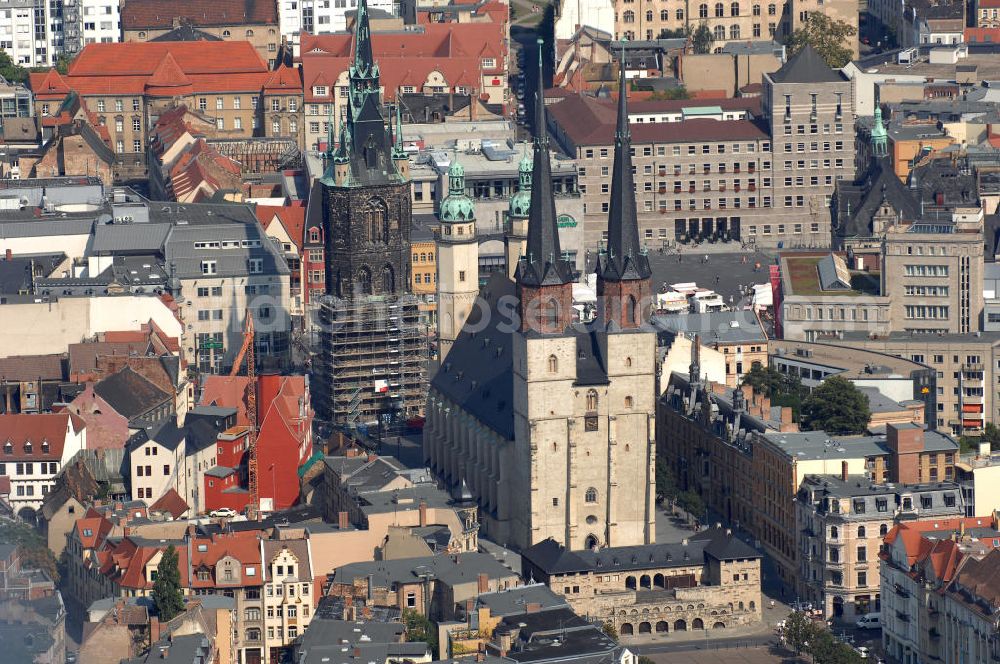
[(627, 629), (630, 582), (662, 627), (698, 623), (658, 581), (719, 625), (680, 625), (645, 628), (645, 582)]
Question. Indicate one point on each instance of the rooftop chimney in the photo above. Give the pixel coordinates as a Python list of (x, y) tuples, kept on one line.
[(8, 255), (342, 521), (484, 583), (843, 470), (423, 513), (532, 607)]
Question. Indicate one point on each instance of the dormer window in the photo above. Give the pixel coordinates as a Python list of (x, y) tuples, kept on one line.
[(8, 447), (45, 446), (27, 447)]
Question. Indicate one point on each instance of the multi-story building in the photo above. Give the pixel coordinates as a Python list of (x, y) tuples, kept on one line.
[(460, 58), (35, 448), (708, 581), (31, 32), (255, 22), (223, 263), (90, 22), (725, 171), (271, 579), (738, 335), (543, 419), (987, 14), (318, 18), (125, 87), (737, 21), (966, 368), (750, 472), (938, 591), (841, 522)]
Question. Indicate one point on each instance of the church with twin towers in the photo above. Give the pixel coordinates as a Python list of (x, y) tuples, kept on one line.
[(548, 423)]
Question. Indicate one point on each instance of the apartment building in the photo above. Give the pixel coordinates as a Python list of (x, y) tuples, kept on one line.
[(270, 577), (124, 87), (224, 265), (461, 58), (842, 520), (90, 22), (729, 170), (34, 450), (966, 366), (31, 32), (319, 17), (253, 21), (938, 581), (738, 335), (749, 471)]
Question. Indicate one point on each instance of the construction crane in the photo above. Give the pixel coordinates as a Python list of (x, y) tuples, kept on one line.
[(247, 349)]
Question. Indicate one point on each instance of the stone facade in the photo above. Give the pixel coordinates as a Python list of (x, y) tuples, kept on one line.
[(711, 581)]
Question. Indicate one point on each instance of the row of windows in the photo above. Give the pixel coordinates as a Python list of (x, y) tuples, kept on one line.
[(28, 468), (677, 150), (926, 270), (814, 129), (719, 11), (801, 147), (926, 312), (706, 204), (927, 291)]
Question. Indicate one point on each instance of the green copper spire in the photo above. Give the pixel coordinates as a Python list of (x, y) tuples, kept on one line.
[(329, 133), (880, 137), (457, 207)]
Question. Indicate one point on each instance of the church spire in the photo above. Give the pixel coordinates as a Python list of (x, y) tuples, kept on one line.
[(626, 258), (364, 60), (544, 263)]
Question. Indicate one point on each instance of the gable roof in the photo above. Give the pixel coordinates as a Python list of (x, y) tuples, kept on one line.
[(21, 429), (170, 502), (807, 66), (284, 79), (186, 32), (291, 217), (33, 367), (130, 394)]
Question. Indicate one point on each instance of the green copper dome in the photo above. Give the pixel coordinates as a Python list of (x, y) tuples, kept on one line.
[(457, 207), (520, 202)]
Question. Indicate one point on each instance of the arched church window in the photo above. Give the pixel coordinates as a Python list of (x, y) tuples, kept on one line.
[(364, 282), (591, 495), (388, 280), (592, 400), (553, 364), (376, 225)]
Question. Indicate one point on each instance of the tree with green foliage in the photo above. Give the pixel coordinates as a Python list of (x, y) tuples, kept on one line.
[(825, 35), (781, 389), (702, 39), (692, 503), (420, 628), (674, 34), (35, 552), (609, 629), (836, 406), (991, 434), (798, 631), (167, 595), (666, 483), (10, 70)]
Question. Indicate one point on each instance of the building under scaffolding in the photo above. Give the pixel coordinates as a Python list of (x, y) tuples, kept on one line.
[(373, 360)]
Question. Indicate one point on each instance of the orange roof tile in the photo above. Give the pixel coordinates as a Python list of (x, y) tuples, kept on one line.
[(20, 430), (284, 79), (292, 218)]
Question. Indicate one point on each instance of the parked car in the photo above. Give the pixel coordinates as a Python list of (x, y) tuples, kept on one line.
[(226, 512), (862, 652)]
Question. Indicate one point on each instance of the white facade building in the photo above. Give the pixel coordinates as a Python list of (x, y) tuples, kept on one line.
[(33, 449), (319, 17)]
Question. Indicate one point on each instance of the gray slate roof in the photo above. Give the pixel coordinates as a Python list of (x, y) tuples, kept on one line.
[(445, 569), (807, 66), (721, 326)]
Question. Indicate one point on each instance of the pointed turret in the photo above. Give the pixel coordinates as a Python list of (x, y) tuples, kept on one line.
[(543, 263), (516, 236), (880, 137), (457, 259), (543, 276), (363, 64), (623, 268)]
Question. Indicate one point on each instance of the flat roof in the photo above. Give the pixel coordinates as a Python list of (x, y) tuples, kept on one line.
[(817, 445), (859, 363), (801, 273)]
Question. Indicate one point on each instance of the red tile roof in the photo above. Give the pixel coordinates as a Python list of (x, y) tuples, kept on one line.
[(292, 218), (589, 121), (171, 502), (128, 68), (155, 14), (18, 430), (284, 79), (242, 545)]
